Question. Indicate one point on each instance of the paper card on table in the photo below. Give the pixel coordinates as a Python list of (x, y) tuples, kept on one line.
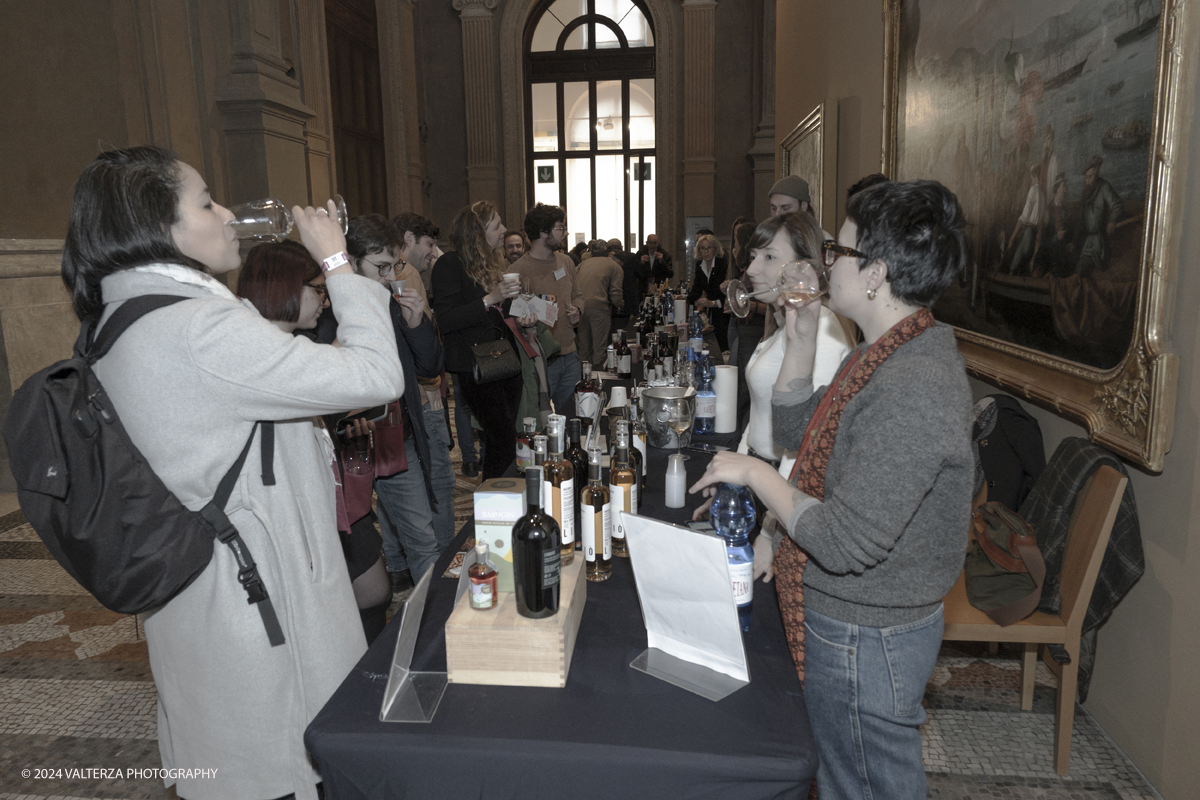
[(686, 594)]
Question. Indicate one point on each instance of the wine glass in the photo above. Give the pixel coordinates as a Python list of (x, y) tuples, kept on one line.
[(269, 220), (800, 283), (679, 420)]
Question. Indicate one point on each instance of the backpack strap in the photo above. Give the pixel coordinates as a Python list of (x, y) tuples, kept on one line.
[(214, 512), (128, 313)]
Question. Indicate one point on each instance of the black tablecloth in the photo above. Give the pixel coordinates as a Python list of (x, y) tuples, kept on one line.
[(611, 732)]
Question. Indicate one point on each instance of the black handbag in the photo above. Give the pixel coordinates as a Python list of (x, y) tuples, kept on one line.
[(494, 361)]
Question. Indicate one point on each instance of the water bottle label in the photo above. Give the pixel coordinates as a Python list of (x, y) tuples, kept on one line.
[(586, 404), (742, 575), (616, 495), (706, 406), (551, 567)]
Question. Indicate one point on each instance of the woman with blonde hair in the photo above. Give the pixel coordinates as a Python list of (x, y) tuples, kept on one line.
[(709, 275), (469, 295)]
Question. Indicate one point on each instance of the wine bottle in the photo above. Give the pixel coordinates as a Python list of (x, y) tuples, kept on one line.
[(525, 444), (587, 396), (578, 458), (539, 460), (622, 492), (624, 358), (637, 437), (635, 456), (560, 478), (537, 561), (597, 522)]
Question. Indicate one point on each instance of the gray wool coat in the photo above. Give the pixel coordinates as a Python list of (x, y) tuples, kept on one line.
[(188, 382)]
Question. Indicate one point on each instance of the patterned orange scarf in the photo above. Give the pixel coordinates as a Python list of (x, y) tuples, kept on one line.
[(808, 474)]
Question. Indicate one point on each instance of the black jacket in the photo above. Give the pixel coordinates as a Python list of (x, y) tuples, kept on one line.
[(661, 269), (461, 315)]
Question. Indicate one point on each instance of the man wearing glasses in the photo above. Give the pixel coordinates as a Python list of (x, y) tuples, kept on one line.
[(554, 275), (416, 505)]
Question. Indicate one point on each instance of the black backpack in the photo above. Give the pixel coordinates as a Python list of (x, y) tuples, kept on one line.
[(95, 502)]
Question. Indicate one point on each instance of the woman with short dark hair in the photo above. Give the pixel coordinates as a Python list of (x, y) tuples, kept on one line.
[(878, 503), (189, 382)]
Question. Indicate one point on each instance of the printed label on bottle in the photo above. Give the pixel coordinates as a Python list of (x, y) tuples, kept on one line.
[(616, 496), (547, 497), (742, 576), (639, 442), (564, 510), (586, 404), (590, 520), (524, 456), (606, 527), (551, 567), (706, 405), (624, 364), (633, 498), (482, 595)]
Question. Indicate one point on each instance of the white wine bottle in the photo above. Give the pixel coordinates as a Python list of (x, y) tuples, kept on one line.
[(622, 492), (596, 511), (560, 477)]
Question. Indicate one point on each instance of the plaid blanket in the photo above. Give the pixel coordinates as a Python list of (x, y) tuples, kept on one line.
[(1048, 509)]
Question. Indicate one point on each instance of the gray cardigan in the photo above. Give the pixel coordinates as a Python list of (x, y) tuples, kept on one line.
[(889, 539)]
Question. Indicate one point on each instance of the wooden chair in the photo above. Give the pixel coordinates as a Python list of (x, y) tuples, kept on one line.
[(1087, 539)]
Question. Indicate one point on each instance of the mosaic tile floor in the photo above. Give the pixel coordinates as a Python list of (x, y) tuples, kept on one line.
[(76, 693)]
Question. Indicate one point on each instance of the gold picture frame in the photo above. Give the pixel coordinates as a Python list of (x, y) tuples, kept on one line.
[(802, 153), (1127, 406)]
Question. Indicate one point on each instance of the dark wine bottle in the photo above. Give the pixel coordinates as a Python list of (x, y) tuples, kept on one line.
[(537, 561)]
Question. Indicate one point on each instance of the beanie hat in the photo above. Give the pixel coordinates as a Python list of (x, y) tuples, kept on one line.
[(792, 186)]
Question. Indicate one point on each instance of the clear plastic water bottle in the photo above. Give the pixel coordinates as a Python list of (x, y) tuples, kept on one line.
[(706, 398), (696, 331), (733, 517)]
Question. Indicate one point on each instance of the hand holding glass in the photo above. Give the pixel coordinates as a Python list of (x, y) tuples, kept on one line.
[(789, 281), (270, 221)]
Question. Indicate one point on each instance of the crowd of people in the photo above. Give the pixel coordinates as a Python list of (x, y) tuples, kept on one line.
[(855, 413)]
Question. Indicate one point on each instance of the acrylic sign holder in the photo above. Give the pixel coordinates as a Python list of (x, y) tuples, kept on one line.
[(412, 696)]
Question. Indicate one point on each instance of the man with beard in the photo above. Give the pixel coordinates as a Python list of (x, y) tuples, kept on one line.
[(554, 275), (515, 245)]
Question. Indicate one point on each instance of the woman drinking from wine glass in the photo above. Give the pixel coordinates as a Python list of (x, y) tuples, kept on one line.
[(877, 504), (189, 381)]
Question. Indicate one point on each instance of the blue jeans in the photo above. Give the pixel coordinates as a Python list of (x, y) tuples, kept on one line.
[(406, 519), (462, 427), (864, 687), (562, 374)]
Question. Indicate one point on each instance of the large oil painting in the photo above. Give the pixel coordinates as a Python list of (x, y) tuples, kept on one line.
[(1049, 119)]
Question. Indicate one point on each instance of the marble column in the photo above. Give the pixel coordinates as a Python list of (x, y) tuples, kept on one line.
[(762, 152), (479, 79), (699, 107)]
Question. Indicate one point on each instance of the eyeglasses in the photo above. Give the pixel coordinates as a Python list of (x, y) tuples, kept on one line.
[(559, 228), (384, 269), (319, 288), (830, 250)]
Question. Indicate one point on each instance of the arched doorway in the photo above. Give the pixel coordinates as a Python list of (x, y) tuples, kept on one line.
[(589, 115), (662, 17)]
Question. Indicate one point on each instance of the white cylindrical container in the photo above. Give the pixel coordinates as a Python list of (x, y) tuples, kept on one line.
[(676, 482), (726, 387)]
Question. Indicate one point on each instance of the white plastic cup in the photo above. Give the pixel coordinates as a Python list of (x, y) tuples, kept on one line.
[(676, 482), (617, 398)]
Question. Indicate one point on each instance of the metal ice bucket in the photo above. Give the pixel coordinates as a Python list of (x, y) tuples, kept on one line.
[(656, 402)]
